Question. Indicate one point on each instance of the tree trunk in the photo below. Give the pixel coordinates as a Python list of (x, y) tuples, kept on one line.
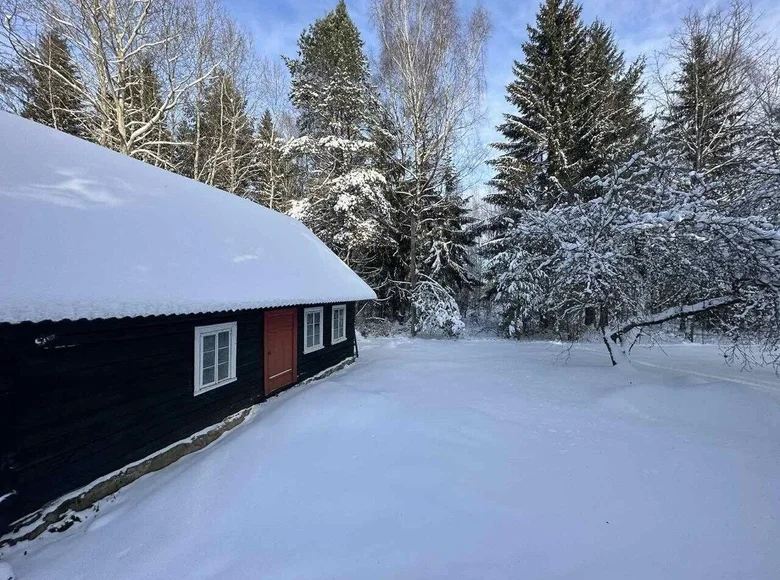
[(413, 272)]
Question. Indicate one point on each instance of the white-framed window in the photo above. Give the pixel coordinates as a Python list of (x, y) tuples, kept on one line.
[(312, 329), (338, 328), (215, 356)]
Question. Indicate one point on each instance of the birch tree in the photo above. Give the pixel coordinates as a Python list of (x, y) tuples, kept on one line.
[(431, 77), (108, 38), (217, 128), (226, 137)]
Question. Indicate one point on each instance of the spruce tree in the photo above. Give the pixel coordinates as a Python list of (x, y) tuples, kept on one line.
[(447, 236), (343, 200), (704, 122), (539, 161), (390, 263), (330, 78), (578, 112), (577, 117), (142, 101), (225, 139), (611, 126), (274, 170), (54, 95)]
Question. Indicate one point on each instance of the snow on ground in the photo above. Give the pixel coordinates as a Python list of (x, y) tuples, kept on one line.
[(468, 459)]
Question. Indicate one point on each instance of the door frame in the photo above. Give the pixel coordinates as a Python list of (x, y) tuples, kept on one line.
[(266, 378)]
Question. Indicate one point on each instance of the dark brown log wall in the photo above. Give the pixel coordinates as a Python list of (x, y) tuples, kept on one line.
[(80, 399)]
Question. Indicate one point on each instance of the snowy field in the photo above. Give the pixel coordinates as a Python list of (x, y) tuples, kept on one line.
[(468, 459)]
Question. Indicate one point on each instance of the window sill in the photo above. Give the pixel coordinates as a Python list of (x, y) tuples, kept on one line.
[(338, 340), (313, 349), (215, 386)]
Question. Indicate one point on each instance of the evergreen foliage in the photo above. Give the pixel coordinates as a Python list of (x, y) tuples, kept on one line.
[(330, 78), (223, 134), (275, 172), (577, 116), (53, 94), (705, 123), (142, 102), (343, 201), (446, 236), (599, 219)]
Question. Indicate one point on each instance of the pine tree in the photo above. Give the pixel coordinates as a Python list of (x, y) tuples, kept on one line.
[(343, 202), (274, 170), (53, 96)]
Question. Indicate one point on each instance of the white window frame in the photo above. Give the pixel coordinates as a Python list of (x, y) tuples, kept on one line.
[(333, 338), (200, 332), (306, 312)]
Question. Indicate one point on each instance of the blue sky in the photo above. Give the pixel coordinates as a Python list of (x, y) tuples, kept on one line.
[(641, 26)]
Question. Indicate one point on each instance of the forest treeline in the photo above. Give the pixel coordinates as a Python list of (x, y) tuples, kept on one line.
[(623, 194)]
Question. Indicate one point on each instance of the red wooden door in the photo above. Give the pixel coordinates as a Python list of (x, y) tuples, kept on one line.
[(281, 352)]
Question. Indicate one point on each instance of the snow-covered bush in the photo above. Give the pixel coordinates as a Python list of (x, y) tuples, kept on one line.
[(659, 244), (437, 310)]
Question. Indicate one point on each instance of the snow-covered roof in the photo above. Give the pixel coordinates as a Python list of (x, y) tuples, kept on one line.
[(89, 233)]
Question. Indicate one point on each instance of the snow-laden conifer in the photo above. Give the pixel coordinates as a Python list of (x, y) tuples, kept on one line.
[(342, 201)]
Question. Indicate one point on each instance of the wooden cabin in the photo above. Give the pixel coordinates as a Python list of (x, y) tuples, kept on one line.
[(138, 307)]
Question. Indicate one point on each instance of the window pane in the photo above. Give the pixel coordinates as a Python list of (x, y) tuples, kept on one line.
[(208, 342), (208, 358), (223, 355), (208, 376), (222, 371), (309, 339), (224, 338)]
